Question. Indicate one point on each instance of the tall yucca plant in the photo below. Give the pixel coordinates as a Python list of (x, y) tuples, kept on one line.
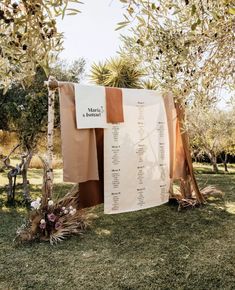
[(117, 72), (149, 84), (99, 73)]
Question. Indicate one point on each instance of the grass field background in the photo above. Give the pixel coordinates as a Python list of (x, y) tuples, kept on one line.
[(158, 248)]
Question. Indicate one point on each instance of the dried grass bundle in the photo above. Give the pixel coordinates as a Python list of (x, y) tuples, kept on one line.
[(185, 203), (53, 221)]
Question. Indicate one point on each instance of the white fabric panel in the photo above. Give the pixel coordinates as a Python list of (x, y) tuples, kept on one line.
[(136, 155), (90, 106)]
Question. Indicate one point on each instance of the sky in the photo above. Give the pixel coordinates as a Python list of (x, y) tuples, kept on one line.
[(91, 34)]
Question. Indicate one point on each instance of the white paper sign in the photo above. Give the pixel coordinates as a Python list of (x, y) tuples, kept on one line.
[(90, 106), (136, 155)]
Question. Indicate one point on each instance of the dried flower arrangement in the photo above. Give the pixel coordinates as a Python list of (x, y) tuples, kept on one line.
[(53, 221)]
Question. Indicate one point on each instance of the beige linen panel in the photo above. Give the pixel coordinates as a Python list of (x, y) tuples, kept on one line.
[(78, 146)]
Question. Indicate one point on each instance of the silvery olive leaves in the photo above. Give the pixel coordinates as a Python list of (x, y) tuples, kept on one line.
[(187, 46), (29, 37)]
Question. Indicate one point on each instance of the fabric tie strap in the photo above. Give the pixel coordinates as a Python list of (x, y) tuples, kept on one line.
[(114, 105)]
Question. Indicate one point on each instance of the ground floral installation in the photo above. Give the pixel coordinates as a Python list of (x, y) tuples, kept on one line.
[(53, 221)]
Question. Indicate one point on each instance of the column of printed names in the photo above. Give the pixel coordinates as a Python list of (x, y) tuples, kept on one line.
[(136, 155)]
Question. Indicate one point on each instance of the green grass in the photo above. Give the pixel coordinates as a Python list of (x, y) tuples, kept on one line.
[(158, 248)]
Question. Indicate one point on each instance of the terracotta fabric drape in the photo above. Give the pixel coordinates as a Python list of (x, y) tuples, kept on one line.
[(177, 155), (78, 146), (92, 192), (114, 105), (82, 149), (179, 167), (82, 152)]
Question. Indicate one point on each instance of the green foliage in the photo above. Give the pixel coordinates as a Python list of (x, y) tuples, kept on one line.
[(186, 46), (119, 72), (99, 73), (71, 72), (24, 110), (211, 131), (149, 84), (29, 37)]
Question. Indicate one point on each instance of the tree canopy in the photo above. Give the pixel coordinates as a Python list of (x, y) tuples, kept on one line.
[(212, 132), (187, 46), (29, 36), (24, 110)]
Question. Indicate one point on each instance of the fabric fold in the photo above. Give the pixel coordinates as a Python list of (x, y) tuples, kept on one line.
[(177, 155)]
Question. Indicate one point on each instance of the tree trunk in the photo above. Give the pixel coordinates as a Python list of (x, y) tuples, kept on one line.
[(225, 166), (214, 164), (10, 188), (225, 162), (12, 174), (24, 174)]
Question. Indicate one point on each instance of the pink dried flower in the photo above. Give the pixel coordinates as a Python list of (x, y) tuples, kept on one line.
[(42, 226), (58, 225), (51, 217)]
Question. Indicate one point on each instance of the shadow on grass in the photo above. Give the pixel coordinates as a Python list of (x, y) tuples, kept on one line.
[(157, 248), (207, 169), (60, 189)]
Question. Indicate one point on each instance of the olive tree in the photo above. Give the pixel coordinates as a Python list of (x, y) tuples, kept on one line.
[(187, 46), (29, 36), (24, 112), (212, 132)]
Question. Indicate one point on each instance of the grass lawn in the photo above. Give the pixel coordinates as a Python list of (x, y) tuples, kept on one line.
[(158, 248)]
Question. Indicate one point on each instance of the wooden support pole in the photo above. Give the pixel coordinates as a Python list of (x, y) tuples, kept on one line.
[(52, 85)]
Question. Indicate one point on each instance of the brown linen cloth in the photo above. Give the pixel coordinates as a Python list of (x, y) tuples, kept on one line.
[(179, 171), (82, 149), (78, 146), (114, 105), (92, 192), (177, 155)]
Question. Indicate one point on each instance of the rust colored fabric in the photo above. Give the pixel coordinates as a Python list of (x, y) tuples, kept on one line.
[(91, 192), (171, 121), (114, 105), (179, 169), (177, 155), (78, 146), (82, 152)]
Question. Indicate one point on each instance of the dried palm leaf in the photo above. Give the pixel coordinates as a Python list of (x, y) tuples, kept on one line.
[(212, 191), (67, 220), (70, 225)]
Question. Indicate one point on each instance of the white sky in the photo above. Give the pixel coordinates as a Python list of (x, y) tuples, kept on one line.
[(91, 34)]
